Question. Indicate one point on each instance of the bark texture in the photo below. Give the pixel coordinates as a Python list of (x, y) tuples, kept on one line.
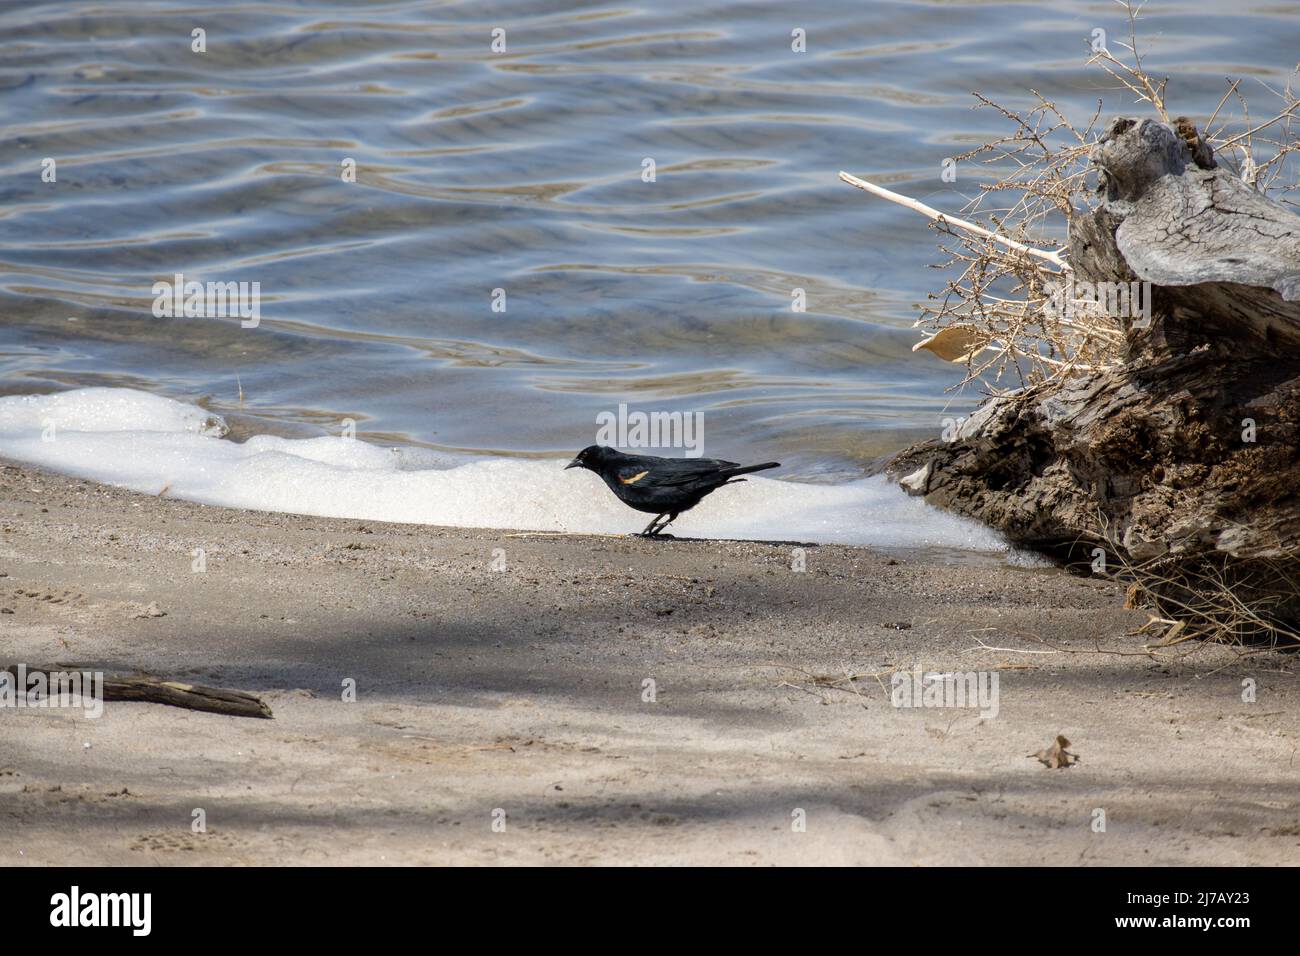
[(156, 690), (1185, 456)]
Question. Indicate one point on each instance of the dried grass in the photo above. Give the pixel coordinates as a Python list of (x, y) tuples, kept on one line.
[(1250, 605)]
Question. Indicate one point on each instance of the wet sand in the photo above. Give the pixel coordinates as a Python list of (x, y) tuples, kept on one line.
[(524, 690)]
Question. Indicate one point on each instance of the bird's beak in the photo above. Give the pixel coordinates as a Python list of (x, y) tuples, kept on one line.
[(573, 464)]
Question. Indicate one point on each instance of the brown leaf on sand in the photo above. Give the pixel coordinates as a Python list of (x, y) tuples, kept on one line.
[(1056, 756)]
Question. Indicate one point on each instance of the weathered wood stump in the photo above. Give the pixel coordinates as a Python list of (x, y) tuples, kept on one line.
[(1184, 459)]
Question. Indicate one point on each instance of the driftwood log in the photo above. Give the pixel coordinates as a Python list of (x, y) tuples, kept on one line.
[(1184, 460), (155, 690)]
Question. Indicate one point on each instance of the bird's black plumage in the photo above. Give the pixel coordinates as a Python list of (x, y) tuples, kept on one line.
[(664, 487)]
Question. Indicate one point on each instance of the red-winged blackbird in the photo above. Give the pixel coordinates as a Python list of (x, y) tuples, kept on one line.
[(660, 486)]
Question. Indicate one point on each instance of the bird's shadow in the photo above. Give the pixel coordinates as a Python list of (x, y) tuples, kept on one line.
[(774, 544)]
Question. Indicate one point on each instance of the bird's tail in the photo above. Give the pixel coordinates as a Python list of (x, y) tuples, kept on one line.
[(746, 469)]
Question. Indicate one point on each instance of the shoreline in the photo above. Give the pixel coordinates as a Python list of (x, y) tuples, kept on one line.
[(522, 690)]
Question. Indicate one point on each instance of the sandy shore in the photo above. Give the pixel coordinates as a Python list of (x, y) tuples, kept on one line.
[(523, 690)]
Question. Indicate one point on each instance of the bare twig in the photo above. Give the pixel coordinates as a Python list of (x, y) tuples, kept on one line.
[(946, 220)]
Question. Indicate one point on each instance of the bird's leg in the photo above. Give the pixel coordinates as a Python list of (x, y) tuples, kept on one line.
[(671, 518), (650, 530)]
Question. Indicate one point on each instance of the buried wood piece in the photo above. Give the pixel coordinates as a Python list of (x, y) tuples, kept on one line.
[(146, 689)]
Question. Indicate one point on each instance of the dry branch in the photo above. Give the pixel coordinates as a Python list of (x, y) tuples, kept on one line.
[(947, 220), (146, 689)]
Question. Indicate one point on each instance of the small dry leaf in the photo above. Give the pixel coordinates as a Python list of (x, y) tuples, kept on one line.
[(955, 343), (1056, 756), (1176, 629)]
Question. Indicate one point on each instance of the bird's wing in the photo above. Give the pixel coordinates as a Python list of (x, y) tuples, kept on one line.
[(671, 472), (631, 474)]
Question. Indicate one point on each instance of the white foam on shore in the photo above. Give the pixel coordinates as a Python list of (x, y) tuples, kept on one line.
[(144, 442)]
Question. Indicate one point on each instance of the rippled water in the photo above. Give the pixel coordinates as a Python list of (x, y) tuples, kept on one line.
[(522, 171)]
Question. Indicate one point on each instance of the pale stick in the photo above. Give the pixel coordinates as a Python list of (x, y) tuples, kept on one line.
[(947, 220)]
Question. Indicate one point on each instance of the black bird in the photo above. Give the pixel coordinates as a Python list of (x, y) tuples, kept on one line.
[(661, 486)]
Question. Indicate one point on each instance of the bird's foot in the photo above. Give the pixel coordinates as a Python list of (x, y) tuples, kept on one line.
[(653, 534)]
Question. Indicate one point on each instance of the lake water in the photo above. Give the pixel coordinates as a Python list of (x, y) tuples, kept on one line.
[(522, 171)]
